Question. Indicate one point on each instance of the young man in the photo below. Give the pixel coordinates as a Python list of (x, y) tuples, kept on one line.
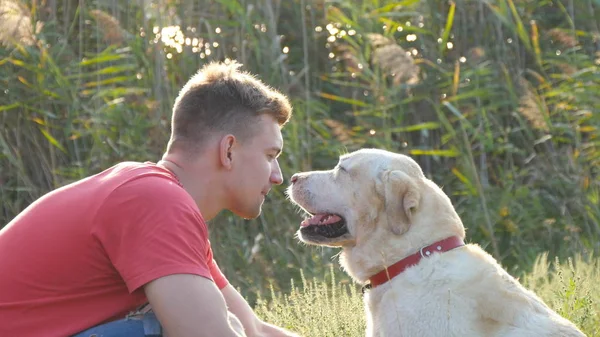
[(87, 254)]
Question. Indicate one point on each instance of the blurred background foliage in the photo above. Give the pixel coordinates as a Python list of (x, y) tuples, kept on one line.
[(498, 100)]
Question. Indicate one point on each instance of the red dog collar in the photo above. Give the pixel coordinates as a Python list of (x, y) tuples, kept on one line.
[(411, 260)]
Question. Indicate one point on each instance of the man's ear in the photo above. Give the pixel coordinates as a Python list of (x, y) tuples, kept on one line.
[(226, 149), (401, 199)]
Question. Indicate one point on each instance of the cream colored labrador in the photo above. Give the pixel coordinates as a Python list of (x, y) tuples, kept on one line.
[(400, 233)]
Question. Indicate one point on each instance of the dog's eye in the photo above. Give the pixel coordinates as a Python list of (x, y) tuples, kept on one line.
[(340, 168)]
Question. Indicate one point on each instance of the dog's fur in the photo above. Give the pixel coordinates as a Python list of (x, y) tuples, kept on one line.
[(390, 210)]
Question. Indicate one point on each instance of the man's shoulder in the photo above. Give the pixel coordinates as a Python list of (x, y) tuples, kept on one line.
[(149, 192), (136, 181), (146, 173), (149, 178)]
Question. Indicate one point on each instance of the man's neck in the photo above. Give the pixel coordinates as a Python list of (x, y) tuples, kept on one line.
[(201, 186)]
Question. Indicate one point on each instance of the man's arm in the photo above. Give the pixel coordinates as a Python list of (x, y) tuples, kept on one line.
[(252, 324), (189, 306)]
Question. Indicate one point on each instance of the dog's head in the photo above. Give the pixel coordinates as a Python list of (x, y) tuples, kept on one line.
[(373, 203)]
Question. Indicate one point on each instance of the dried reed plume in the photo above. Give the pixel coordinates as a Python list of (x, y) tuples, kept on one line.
[(109, 26), (564, 38), (344, 135), (567, 69), (15, 24), (394, 59), (339, 130), (531, 107), (348, 57), (476, 54)]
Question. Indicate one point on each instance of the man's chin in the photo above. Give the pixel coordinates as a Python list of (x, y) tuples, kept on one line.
[(248, 214), (250, 217), (247, 210)]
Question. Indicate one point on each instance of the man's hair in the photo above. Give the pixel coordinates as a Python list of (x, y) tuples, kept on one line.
[(221, 98)]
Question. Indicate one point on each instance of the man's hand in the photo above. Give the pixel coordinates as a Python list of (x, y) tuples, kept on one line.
[(190, 306), (253, 326)]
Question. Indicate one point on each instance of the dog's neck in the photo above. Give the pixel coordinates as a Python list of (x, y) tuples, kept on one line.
[(438, 247), (362, 262)]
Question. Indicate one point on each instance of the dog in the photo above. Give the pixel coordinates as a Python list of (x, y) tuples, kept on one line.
[(401, 236)]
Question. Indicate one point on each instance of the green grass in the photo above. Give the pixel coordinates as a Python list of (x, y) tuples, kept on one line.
[(332, 309), (569, 287)]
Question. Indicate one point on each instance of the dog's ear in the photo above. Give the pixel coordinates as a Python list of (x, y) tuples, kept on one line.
[(401, 199)]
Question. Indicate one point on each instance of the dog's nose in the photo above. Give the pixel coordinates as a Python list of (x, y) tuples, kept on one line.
[(294, 178)]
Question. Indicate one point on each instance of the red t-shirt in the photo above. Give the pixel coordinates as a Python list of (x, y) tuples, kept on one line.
[(79, 255)]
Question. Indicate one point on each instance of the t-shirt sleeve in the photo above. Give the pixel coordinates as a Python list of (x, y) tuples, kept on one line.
[(150, 228), (215, 271)]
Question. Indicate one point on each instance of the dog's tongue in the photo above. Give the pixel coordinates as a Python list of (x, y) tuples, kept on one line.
[(321, 219)]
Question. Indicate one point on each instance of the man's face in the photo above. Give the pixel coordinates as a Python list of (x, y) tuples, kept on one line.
[(255, 168)]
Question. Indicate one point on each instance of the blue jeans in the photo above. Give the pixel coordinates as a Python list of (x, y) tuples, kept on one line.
[(142, 325)]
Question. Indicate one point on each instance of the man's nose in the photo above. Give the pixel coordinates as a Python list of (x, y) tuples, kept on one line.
[(277, 176)]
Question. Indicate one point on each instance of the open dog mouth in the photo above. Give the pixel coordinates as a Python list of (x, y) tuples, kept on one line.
[(327, 225)]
